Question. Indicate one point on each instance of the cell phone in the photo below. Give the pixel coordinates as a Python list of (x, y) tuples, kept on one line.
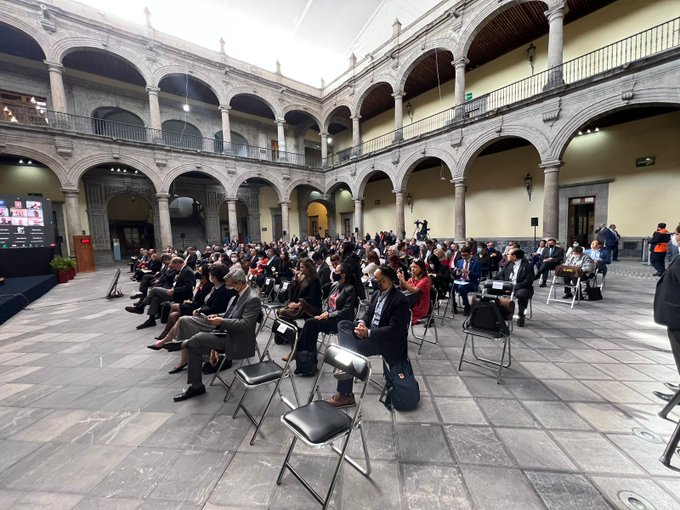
[(202, 315)]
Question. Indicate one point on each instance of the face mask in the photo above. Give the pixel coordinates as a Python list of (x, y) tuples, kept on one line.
[(575, 245), (551, 246), (431, 266), (336, 277), (234, 260), (479, 250)]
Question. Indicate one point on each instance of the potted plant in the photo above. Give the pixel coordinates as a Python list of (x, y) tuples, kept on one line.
[(71, 268), (60, 266)]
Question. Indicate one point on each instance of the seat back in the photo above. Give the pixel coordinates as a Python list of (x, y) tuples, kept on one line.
[(348, 361), (568, 271), (486, 315), (268, 288), (494, 286)]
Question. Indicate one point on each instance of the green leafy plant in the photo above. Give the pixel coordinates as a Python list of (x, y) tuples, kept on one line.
[(60, 264)]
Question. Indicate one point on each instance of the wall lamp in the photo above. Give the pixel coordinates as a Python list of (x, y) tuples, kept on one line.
[(409, 202), (529, 185), (531, 56)]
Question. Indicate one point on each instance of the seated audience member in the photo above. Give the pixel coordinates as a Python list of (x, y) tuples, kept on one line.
[(418, 285), (161, 277), (454, 257), (235, 335), (495, 258), (581, 260), (551, 257), (381, 331), (466, 277), (182, 289), (599, 255), (439, 274), (342, 302), (369, 268), (191, 257), (395, 263), (484, 260), (270, 269), (285, 272), (536, 254), (213, 302), (520, 272), (323, 272), (304, 293)]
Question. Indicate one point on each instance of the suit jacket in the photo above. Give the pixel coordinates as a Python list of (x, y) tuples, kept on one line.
[(345, 304), (324, 273), (605, 257), (475, 271), (525, 275), (216, 301), (557, 256), (184, 284), (667, 297), (273, 266), (391, 333), (241, 326)]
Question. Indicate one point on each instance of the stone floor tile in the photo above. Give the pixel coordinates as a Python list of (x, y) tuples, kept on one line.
[(477, 445), (47, 501), (421, 442), (612, 487), (434, 487), (593, 453), (447, 386), (255, 471), (604, 417), (460, 410), (562, 491), (506, 413), (556, 415), (534, 449), (359, 492), (495, 488)]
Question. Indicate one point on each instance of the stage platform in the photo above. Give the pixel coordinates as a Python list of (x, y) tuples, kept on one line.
[(17, 293)]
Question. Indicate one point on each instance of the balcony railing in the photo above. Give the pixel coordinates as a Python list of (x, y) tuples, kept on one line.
[(614, 57)]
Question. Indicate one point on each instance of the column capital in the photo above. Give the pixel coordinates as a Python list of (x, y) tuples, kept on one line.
[(356, 117), (460, 62), (551, 166), (231, 199), (224, 108), (163, 196), (152, 91), (399, 94), (556, 12), (70, 192), (284, 202), (399, 191), (280, 122), (459, 183), (358, 199), (323, 134), (53, 65)]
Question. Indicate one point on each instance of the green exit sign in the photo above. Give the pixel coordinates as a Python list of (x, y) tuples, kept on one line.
[(468, 96), (646, 161)]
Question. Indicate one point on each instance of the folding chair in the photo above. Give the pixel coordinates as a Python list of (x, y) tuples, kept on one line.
[(429, 322), (674, 440), (486, 320), (501, 287), (267, 372), (270, 305), (318, 424), (450, 303), (571, 272), (326, 338)]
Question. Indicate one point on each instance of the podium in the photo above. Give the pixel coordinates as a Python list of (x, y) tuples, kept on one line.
[(84, 251)]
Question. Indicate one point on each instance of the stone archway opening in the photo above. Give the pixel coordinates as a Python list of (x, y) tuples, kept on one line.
[(131, 223), (305, 134), (338, 125), (241, 222), (263, 211)]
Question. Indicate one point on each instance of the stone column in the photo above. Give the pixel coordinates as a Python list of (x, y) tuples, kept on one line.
[(324, 149), (281, 138), (398, 115), (154, 107), (551, 198), (359, 216), (356, 136), (57, 91), (284, 220), (164, 220), (400, 226), (555, 17), (233, 219), (459, 204), (72, 212), (459, 91), (226, 129)]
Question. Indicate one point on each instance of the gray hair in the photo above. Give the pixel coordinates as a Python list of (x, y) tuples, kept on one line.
[(236, 275)]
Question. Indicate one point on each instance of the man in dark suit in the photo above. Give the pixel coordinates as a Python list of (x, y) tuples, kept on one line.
[(235, 336), (551, 257), (520, 272), (323, 271), (466, 276), (382, 330)]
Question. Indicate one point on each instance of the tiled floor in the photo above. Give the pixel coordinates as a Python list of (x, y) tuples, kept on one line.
[(87, 418)]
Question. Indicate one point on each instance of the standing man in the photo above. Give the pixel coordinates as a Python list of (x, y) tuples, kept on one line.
[(658, 247), (614, 249)]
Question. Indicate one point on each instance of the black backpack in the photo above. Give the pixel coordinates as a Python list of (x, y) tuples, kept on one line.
[(402, 391)]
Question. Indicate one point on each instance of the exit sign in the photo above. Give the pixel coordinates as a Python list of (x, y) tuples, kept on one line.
[(646, 161), (468, 96)]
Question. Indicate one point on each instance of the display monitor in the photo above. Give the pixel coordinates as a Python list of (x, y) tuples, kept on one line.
[(25, 222)]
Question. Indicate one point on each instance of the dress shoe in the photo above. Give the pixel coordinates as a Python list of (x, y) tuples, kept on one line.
[(154, 347), (136, 295), (159, 337), (542, 284), (172, 346), (148, 323), (663, 396), (567, 295), (190, 392), (672, 387), (466, 311), (135, 309), (339, 400), (658, 273), (178, 369), (520, 321)]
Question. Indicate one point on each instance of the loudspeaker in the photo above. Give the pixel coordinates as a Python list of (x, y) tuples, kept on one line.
[(534, 222)]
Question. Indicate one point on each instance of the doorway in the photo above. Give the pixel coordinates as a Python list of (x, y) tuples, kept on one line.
[(581, 220)]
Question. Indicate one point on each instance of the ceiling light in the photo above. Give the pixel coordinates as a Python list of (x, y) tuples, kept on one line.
[(33, 100), (5, 109), (597, 130), (118, 170), (185, 107), (136, 171), (21, 161), (124, 170), (112, 169), (580, 133), (588, 132), (329, 140), (29, 162)]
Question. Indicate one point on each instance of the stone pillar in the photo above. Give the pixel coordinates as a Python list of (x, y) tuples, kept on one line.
[(551, 198), (57, 91), (233, 219), (72, 213), (281, 138), (324, 149), (226, 129), (459, 204), (164, 219), (459, 91), (400, 226), (154, 108), (284, 220), (398, 115), (356, 136), (555, 17), (359, 216)]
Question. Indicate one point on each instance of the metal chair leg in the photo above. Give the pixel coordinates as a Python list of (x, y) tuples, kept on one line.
[(671, 447), (669, 407)]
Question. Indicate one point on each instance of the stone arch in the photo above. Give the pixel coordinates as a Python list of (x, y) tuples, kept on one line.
[(71, 44), (411, 162), (206, 79), (329, 113), (363, 93), (59, 170), (83, 165), (178, 171), (153, 203), (250, 91), (39, 36), (365, 174), (257, 174), (422, 52), (537, 139), (560, 142), (483, 16), (300, 108), (336, 183), (302, 182)]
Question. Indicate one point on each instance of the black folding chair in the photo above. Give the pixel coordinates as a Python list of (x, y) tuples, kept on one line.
[(318, 424), (428, 322)]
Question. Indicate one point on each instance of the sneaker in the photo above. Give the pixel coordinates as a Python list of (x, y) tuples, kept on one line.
[(339, 400)]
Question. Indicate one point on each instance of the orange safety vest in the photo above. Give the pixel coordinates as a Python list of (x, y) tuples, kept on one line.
[(661, 247)]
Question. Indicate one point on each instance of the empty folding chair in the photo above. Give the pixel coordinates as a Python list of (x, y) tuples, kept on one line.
[(486, 320), (271, 305), (575, 275), (428, 322), (266, 372), (318, 424)]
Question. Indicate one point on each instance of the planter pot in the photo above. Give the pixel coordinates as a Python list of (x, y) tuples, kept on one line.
[(62, 277), (71, 273)]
